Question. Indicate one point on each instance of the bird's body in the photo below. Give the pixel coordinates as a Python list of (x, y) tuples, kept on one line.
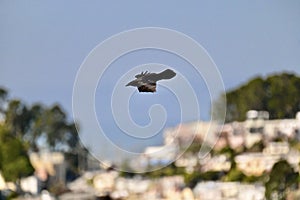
[(146, 82)]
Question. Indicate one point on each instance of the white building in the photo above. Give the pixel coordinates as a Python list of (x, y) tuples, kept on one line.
[(160, 154), (228, 190)]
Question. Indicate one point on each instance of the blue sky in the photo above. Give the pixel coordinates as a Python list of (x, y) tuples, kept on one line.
[(43, 43)]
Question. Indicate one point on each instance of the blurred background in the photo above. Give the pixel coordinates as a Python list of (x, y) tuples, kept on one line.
[(255, 155)]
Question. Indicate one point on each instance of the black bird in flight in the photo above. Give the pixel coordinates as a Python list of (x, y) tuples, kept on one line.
[(146, 82)]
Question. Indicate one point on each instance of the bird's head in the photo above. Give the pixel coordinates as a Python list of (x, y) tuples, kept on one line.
[(133, 83)]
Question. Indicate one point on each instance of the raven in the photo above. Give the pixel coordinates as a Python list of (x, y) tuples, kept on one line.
[(146, 82)]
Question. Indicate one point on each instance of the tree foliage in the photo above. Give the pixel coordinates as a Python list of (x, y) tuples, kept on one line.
[(14, 162), (33, 122), (27, 128), (3, 96), (282, 178), (279, 94)]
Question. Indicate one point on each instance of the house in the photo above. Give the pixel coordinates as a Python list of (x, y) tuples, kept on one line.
[(6, 185), (277, 148), (228, 190), (156, 155), (49, 166), (255, 164), (217, 163), (184, 134), (254, 126)]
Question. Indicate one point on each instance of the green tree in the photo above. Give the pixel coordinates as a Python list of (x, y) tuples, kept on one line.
[(279, 94), (282, 178), (3, 97), (17, 118), (283, 95), (14, 161), (51, 123), (37, 122), (30, 123)]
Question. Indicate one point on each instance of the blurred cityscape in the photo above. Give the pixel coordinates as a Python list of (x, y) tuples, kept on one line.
[(248, 160), (226, 127)]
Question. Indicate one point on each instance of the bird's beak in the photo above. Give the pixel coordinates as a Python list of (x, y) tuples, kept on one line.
[(129, 84), (132, 83)]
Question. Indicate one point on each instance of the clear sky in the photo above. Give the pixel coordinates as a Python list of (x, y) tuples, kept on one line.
[(43, 43)]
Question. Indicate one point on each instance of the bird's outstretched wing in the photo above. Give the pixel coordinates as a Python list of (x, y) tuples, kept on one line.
[(154, 77)]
